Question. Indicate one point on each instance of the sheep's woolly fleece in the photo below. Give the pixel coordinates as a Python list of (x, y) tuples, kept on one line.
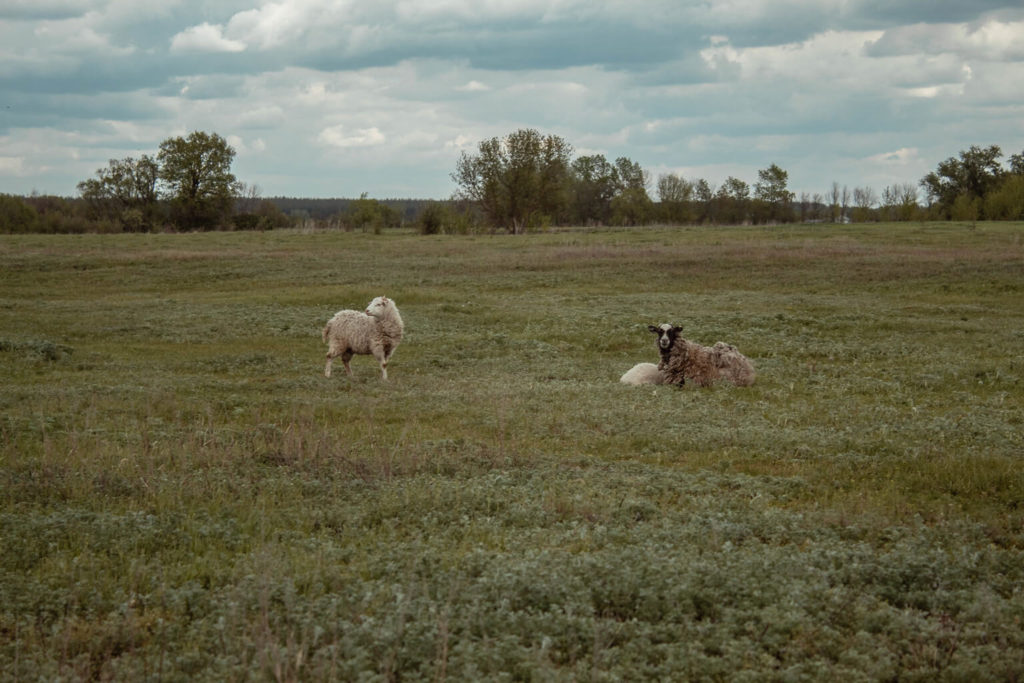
[(683, 360), (377, 331), (643, 373)]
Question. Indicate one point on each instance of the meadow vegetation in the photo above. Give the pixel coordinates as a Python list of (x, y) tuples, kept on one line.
[(184, 496)]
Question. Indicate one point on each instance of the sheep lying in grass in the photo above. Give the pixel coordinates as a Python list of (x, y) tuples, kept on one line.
[(683, 360), (643, 373), (376, 331)]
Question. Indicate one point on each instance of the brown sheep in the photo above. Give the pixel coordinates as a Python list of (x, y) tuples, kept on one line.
[(683, 360)]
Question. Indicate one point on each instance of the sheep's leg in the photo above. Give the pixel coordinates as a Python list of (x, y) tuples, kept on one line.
[(345, 358), (381, 354)]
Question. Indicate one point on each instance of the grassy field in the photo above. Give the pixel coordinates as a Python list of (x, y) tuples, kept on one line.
[(184, 496)]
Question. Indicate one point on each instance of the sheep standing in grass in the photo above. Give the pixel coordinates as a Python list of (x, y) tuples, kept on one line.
[(643, 373), (683, 360), (377, 332)]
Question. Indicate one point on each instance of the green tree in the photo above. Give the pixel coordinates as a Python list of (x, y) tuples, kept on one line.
[(196, 174), (251, 212), (971, 175), (264, 216), (433, 219), (124, 191), (443, 217), (965, 208), (16, 216), (674, 189), (595, 182), (676, 197), (519, 180), (365, 213), (59, 215), (703, 191), (631, 204), (733, 201), (1017, 164), (771, 190), (631, 175), (1007, 202), (735, 189), (705, 195)]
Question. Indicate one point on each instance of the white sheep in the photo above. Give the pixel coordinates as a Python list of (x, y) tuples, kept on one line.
[(376, 331), (643, 373), (683, 360)]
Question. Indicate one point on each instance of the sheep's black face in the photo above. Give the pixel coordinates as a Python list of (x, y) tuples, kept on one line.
[(667, 335)]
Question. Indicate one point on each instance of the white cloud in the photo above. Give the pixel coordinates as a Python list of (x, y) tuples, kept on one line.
[(488, 11), (460, 142), (338, 136), (263, 116), (932, 91), (722, 58), (205, 38), (998, 84), (826, 88), (991, 39), (473, 86), (899, 157), (274, 23), (134, 133), (243, 148), (13, 166), (997, 41), (819, 77), (75, 36)]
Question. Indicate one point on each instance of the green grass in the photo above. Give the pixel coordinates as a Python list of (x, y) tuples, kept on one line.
[(184, 496)]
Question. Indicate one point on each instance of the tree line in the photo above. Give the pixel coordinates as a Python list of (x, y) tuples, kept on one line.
[(519, 182), (187, 185), (530, 180)]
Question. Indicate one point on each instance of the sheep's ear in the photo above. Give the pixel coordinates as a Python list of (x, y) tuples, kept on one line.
[(654, 329), (677, 329)]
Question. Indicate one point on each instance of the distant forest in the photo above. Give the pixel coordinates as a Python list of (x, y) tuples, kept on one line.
[(522, 182), (299, 208)]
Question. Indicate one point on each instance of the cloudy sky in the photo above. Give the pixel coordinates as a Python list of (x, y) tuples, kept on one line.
[(332, 98)]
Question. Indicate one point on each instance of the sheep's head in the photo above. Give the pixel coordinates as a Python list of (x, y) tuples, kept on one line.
[(377, 306), (667, 335)]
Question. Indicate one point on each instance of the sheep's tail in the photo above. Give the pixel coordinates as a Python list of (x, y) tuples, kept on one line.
[(326, 332)]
